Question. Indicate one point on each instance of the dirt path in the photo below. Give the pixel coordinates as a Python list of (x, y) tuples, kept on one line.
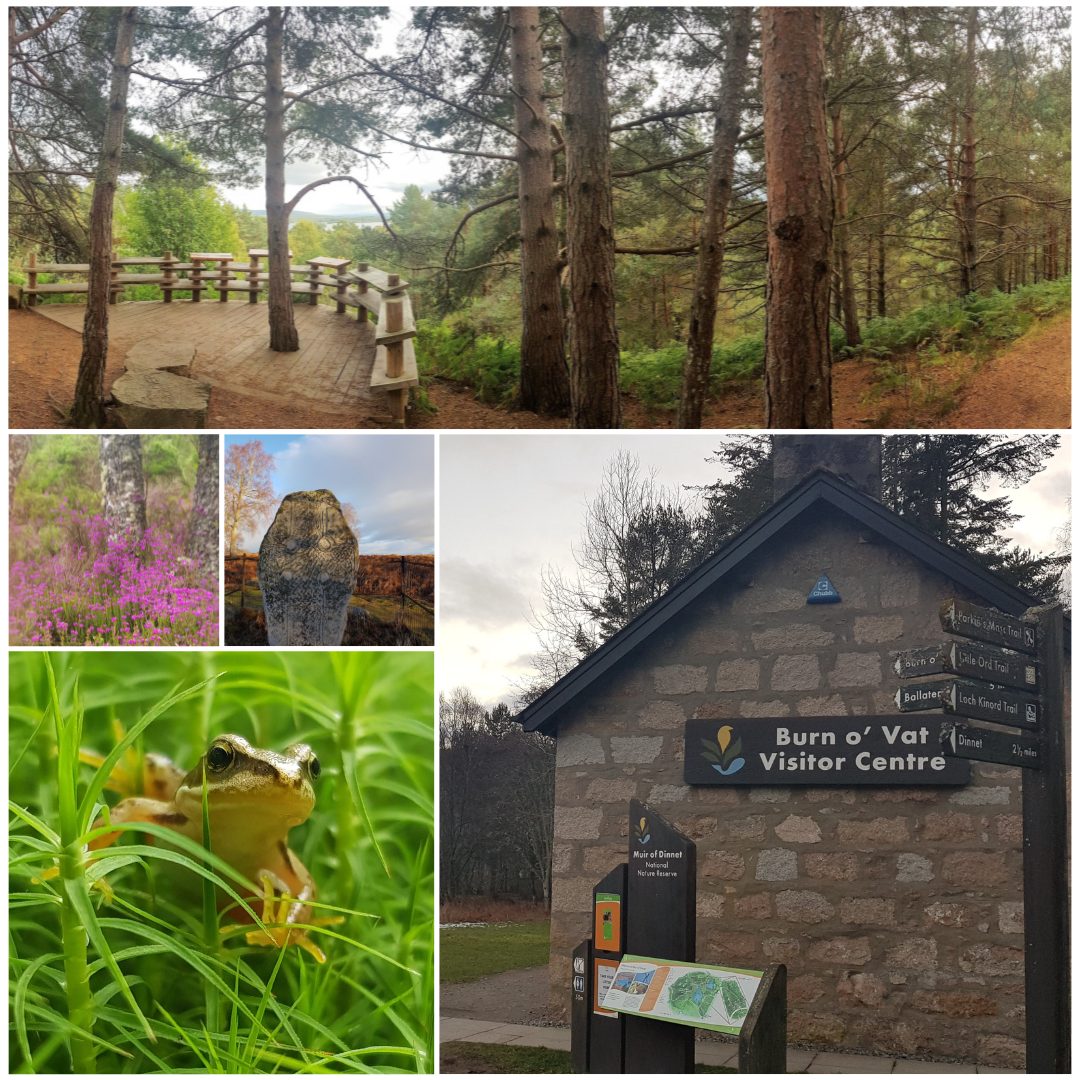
[(1025, 386), (1028, 385), (511, 997)]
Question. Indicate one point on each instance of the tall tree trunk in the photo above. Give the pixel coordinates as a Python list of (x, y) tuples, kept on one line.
[(710, 259), (968, 205), (1001, 257), (881, 271), (88, 409), (18, 448), (123, 486), (798, 178), (869, 276), (201, 543), (843, 255), (545, 379), (590, 224), (283, 335)]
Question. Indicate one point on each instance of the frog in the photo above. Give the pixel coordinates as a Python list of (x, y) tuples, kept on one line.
[(254, 797)]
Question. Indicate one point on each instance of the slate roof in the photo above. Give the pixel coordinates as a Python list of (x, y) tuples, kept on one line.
[(820, 490)]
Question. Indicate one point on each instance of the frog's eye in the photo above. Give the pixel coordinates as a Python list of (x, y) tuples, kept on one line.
[(219, 757), (314, 767)]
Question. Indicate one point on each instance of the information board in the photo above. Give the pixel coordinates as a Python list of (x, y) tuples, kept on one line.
[(695, 995)]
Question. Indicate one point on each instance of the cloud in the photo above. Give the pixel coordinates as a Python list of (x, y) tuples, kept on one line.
[(388, 478), (481, 597)]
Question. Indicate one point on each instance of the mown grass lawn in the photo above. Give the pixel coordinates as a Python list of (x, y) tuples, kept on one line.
[(471, 952)]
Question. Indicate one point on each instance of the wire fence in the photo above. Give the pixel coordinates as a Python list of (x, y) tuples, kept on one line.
[(396, 591)]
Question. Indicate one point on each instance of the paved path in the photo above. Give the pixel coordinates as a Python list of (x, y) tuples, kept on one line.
[(331, 373), (462, 1029)]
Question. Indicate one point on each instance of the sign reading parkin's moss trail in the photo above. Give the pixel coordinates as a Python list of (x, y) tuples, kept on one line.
[(698, 995), (820, 750)]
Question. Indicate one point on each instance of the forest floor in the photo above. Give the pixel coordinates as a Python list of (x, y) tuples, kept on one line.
[(1024, 385)]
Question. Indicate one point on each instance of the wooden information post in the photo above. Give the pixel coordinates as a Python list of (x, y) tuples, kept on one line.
[(648, 907), (988, 693)]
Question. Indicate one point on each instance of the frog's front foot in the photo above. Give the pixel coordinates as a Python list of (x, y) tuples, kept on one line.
[(279, 913)]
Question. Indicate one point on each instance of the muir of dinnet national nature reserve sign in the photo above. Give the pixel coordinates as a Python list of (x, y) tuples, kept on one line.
[(840, 750), (697, 995)]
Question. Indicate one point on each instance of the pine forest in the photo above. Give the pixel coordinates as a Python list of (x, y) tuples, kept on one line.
[(605, 217)]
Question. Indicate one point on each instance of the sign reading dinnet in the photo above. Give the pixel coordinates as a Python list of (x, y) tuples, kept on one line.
[(834, 750)]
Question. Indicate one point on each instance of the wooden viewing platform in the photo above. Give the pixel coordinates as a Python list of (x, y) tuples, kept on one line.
[(342, 365)]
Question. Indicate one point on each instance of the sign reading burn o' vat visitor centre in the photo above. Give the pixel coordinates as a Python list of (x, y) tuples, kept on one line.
[(844, 750)]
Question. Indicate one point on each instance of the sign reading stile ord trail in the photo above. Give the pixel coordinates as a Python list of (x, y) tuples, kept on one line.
[(973, 661), (1038, 633)]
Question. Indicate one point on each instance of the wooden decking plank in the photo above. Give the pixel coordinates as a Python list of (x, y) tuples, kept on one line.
[(329, 372)]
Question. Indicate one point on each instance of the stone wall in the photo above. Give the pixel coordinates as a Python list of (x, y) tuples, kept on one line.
[(897, 910)]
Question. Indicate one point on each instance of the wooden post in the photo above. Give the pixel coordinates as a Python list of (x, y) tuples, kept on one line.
[(31, 279), (223, 279), (313, 279), (339, 295), (763, 1036), (169, 275), (361, 287), (114, 284), (395, 350), (1046, 861), (253, 278), (196, 279), (243, 578)]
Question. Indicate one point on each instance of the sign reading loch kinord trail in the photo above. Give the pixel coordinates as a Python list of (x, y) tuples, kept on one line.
[(981, 702), (1036, 665), (844, 750)]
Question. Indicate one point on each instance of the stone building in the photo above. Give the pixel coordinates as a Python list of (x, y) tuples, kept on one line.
[(897, 910)]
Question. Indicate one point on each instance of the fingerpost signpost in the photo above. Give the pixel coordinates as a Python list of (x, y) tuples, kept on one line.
[(1025, 653)]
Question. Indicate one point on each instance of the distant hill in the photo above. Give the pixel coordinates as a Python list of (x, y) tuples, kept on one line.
[(326, 219)]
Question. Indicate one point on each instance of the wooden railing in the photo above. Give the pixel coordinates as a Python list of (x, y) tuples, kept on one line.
[(371, 291)]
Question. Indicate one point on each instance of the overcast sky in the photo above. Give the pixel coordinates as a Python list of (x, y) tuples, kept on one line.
[(509, 504), (389, 478), (386, 180)]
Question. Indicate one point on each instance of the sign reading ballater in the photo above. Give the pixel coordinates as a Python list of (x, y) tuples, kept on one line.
[(841, 750)]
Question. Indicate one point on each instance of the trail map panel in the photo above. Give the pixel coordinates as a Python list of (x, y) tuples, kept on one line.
[(695, 995)]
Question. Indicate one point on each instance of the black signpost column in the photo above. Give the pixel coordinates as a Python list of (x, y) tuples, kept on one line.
[(1046, 861), (581, 992), (1034, 662), (661, 892)]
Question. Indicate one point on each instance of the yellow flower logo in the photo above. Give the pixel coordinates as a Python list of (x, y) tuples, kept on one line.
[(643, 834), (729, 760)]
